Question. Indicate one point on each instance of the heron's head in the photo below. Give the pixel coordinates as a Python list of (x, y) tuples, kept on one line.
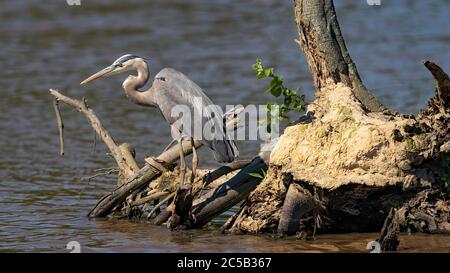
[(125, 63)]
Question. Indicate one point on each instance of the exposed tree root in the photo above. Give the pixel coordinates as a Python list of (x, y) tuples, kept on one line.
[(389, 233), (297, 203), (350, 155)]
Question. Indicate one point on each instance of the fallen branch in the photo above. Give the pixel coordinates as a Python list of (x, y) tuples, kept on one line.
[(163, 216), (230, 221), (226, 195), (185, 196), (157, 206), (128, 155), (148, 198), (125, 164), (235, 224), (60, 125), (219, 172), (107, 171)]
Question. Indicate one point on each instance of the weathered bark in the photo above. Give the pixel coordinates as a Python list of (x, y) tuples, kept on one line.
[(219, 172), (226, 195), (60, 123), (149, 198), (127, 153), (162, 217), (181, 207), (442, 84), (297, 203), (322, 42), (389, 233)]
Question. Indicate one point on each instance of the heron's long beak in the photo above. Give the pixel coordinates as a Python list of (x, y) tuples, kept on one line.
[(108, 71)]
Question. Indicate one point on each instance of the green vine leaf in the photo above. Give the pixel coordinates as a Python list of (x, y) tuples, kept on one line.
[(258, 175), (291, 100)]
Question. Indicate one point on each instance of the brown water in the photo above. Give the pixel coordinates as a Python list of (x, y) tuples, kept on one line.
[(48, 44)]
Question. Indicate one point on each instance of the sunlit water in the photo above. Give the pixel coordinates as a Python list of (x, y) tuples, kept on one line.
[(47, 44)]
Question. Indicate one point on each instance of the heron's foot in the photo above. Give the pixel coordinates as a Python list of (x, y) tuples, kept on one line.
[(159, 164)]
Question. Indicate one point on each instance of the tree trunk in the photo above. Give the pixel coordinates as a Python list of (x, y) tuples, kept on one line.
[(349, 154), (325, 50)]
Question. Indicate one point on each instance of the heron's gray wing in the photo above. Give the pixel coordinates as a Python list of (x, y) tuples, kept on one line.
[(173, 89)]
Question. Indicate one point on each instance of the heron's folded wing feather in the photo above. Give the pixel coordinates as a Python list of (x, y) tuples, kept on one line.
[(173, 88)]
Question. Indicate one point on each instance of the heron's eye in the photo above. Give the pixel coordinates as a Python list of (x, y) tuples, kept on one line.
[(119, 65)]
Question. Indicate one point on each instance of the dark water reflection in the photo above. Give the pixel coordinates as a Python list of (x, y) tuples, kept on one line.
[(47, 44)]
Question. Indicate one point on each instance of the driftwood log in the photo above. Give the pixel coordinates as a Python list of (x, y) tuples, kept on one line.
[(351, 155)]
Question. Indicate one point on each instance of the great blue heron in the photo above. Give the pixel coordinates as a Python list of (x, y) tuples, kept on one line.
[(170, 89)]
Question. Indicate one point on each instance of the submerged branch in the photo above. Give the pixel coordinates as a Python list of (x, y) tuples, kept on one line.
[(148, 198), (162, 202)]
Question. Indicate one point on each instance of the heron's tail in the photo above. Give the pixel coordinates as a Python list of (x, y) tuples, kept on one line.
[(224, 150)]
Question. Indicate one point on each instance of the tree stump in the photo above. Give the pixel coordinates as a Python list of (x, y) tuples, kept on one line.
[(357, 157)]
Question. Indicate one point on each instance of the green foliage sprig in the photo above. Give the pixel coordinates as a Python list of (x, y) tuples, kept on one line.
[(291, 100), (258, 175)]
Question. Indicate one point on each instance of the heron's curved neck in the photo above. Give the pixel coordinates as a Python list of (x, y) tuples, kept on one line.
[(132, 84)]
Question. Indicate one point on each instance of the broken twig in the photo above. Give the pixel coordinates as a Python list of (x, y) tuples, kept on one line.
[(60, 125)]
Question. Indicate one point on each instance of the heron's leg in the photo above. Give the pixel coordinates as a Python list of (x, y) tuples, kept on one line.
[(182, 162), (194, 161)]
